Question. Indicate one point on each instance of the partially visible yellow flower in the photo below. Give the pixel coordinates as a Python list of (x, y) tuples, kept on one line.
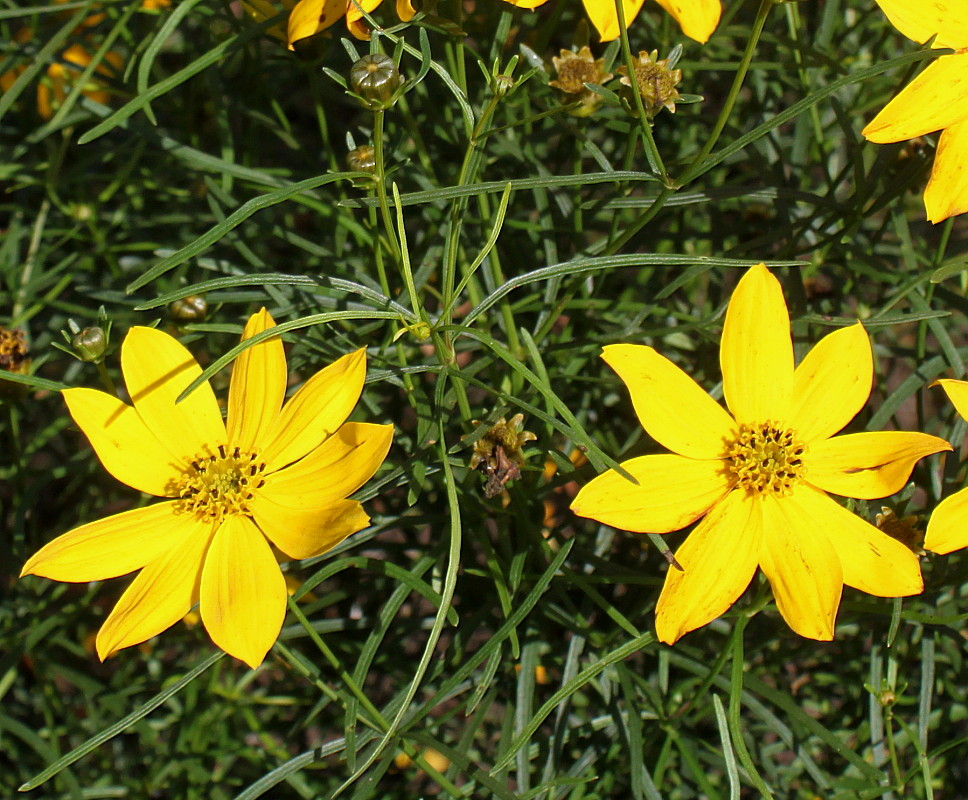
[(310, 17), (61, 76), (759, 475), (270, 475), (697, 18), (261, 10), (936, 100), (948, 526)]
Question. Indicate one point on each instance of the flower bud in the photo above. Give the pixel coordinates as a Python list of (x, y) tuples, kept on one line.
[(375, 78), (502, 84), (90, 343), (361, 159), (193, 308)]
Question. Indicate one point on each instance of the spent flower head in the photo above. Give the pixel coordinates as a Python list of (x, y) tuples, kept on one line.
[(758, 476), (655, 80), (272, 475), (936, 100), (574, 70)]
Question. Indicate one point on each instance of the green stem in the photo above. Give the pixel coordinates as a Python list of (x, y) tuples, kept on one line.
[(648, 141), (696, 166), (106, 378), (379, 177)]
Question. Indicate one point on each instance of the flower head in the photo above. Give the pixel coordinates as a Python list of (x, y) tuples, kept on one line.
[(758, 475), (697, 18), (270, 475), (948, 525), (934, 101), (574, 71), (310, 17)]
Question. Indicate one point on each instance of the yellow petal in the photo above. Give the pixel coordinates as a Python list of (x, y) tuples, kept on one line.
[(832, 384), (258, 386), (719, 560), (406, 11), (870, 560), (802, 567), (355, 23), (338, 467), (756, 353), (671, 406), (673, 491), (157, 368), (309, 17), (125, 445), (921, 19), (868, 465), (111, 546), (242, 596), (314, 412), (957, 392), (947, 191), (529, 4), (604, 16), (697, 18), (948, 526), (304, 533), (162, 594), (932, 101)]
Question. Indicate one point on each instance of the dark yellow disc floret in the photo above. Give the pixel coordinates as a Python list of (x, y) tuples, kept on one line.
[(766, 458), (217, 486)]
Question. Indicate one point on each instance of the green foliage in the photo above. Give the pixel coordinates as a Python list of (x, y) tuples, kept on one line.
[(465, 646)]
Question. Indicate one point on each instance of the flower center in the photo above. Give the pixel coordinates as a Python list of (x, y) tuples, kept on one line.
[(766, 458), (218, 486)]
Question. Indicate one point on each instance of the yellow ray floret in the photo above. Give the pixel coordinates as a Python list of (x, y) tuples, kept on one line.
[(274, 474), (756, 476), (697, 18), (934, 100)]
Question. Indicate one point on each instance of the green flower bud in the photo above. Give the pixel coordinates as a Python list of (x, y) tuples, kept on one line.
[(193, 308), (502, 84), (375, 78), (90, 343), (361, 159)]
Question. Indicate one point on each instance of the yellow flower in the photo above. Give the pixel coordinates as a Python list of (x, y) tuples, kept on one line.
[(310, 17), (697, 18), (759, 474), (936, 100), (271, 474), (60, 77), (948, 526)]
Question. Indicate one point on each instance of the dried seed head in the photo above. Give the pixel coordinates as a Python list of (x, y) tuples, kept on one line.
[(499, 453), (656, 82), (14, 353)]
